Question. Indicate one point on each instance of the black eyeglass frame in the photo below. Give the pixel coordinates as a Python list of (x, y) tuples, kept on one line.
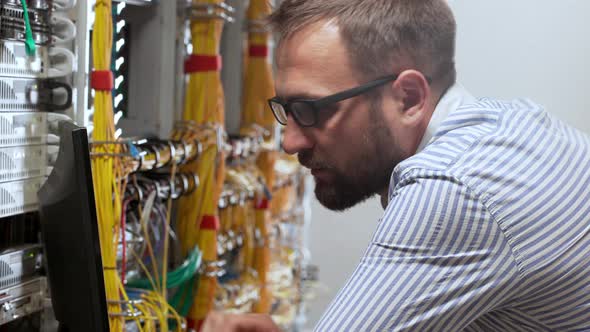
[(317, 104)]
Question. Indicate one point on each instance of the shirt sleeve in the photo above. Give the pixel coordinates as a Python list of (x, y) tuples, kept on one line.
[(437, 260)]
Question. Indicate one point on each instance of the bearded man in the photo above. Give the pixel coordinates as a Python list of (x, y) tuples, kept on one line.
[(487, 202)]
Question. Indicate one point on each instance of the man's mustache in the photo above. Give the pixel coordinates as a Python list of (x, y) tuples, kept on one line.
[(307, 160)]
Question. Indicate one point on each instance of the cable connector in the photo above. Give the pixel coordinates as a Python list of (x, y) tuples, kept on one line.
[(29, 42)]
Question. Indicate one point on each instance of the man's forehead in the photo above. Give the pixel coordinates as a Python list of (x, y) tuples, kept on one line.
[(313, 56), (316, 39)]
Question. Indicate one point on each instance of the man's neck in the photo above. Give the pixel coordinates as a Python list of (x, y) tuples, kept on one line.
[(384, 193), (446, 101)]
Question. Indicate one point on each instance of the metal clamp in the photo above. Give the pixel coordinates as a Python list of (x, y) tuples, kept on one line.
[(212, 269), (218, 11), (131, 310), (257, 26)]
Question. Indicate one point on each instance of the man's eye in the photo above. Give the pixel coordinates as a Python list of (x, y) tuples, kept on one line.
[(327, 112), (330, 108)]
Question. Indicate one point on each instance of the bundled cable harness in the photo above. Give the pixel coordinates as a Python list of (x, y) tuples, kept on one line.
[(147, 310), (107, 173), (258, 88), (203, 115)]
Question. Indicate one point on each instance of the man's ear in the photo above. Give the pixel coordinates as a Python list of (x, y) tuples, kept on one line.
[(414, 91)]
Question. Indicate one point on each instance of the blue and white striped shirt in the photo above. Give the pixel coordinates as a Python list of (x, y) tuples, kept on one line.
[(487, 229)]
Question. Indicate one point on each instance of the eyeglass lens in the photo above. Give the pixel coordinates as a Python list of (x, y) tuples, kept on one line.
[(279, 112), (303, 113)]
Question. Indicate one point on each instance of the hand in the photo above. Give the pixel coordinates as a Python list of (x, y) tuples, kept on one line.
[(219, 322)]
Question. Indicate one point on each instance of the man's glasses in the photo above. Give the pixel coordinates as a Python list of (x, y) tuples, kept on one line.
[(305, 111)]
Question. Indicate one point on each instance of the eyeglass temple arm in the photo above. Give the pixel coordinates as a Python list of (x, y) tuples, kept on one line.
[(355, 91)]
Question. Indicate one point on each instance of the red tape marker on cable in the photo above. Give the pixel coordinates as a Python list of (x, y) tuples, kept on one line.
[(210, 222), (101, 80), (262, 204), (260, 51), (201, 63), (191, 324)]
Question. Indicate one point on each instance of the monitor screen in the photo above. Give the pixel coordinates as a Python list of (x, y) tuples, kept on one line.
[(70, 237)]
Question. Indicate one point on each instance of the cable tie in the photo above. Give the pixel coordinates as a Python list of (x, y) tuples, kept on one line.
[(101, 80), (260, 51), (262, 204), (202, 63), (210, 222)]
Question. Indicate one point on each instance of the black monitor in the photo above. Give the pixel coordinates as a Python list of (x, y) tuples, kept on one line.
[(70, 236)]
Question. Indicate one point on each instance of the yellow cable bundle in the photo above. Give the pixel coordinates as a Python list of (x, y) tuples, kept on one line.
[(109, 180), (207, 240), (107, 171), (249, 239), (204, 94), (262, 257), (258, 88), (196, 211), (262, 254), (258, 85), (258, 247), (191, 208), (241, 183), (266, 163), (204, 106)]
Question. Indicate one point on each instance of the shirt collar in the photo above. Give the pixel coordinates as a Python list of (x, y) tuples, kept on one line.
[(455, 96)]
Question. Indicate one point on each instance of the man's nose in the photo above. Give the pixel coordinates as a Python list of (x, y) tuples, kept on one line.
[(294, 139)]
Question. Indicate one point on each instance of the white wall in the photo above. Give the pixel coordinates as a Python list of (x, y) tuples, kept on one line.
[(506, 49), (531, 48)]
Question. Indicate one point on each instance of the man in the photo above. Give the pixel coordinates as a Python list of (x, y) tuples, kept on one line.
[(487, 203)]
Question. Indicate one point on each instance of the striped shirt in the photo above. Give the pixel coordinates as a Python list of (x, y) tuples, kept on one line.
[(487, 228)]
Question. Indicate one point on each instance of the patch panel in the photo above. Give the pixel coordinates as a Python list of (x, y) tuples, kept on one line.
[(15, 62), (22, 300), (22, 162), (28, 128), (19, 196), (24, 94), (18, 264)]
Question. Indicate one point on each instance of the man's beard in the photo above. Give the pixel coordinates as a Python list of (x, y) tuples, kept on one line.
[(364, 175)]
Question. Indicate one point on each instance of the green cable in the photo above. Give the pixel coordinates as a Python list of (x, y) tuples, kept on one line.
[(183, 298), (177, 277), (29, 42), (182, 301)]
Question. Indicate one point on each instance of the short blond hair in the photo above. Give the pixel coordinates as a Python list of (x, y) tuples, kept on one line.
[(379, 33)]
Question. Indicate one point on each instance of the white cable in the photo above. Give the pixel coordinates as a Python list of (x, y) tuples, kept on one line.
[(61, 62), (63, 5), (63, 29)]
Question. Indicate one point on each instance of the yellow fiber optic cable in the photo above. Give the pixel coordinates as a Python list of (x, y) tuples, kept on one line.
[(106, 169), (258, 88), (198, 215), (258, 85)]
